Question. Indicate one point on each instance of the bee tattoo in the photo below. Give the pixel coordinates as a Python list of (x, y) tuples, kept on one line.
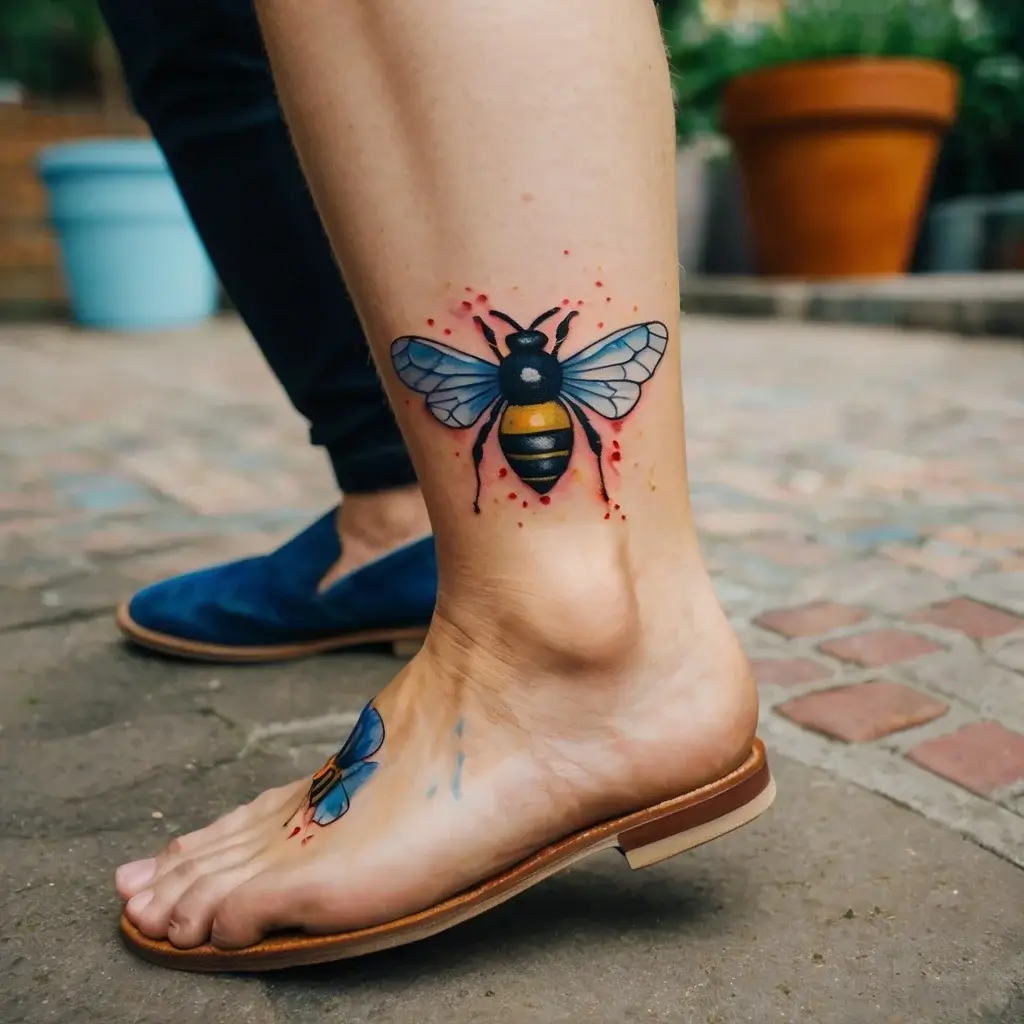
[(348, 770), (531, 391)]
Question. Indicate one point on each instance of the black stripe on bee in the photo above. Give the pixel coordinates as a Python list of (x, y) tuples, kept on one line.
[(544, 442), (529, 468), (323, 781)]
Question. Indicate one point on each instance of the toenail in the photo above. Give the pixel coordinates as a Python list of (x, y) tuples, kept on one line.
[(138, 903), (136, 873)]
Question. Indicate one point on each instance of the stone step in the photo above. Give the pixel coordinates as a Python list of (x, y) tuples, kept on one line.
[(971, 305)]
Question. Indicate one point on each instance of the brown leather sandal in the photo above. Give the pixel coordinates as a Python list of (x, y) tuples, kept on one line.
[(644, 837)]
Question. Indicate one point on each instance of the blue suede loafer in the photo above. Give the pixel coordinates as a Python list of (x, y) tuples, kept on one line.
[(267, 608)]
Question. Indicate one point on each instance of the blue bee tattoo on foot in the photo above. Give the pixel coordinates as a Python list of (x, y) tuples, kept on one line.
[(533, 393), (336, 783)]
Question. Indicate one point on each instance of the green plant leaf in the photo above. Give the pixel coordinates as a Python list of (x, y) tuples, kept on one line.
[(983, 40)]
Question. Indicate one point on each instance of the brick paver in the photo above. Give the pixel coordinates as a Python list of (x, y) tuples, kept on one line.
[(789, 671), (810, 619), (982, 757), (879, 647), (863, 711), (972, 618), (859, 495)]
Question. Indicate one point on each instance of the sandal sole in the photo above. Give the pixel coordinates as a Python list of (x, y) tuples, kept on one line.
[(645, 837)]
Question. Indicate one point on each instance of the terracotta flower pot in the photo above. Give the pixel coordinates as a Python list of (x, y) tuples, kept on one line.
[(836, 157)]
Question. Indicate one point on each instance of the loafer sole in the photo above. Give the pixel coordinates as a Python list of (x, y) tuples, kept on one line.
[(404, 641)]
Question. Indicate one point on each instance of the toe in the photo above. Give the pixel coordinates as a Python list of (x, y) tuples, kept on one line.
[(232, 828), (133, 877), (191, 920), (151, 910), (178, 855), (279, 897), (271, 804), (180, 865)]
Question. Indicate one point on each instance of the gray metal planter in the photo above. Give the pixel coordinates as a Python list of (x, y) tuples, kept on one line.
[(977, 233)]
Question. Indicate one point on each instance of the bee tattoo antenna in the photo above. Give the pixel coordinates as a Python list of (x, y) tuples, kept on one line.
[(563, 331), (489, 335), (504, 317), (544, 316)]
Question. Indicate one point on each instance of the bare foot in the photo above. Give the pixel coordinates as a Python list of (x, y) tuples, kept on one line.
[(503, 734)]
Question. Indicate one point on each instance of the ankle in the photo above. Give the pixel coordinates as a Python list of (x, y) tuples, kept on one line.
[(372, 525), (567, 609), (586, 608), (383, 520), (636, 680)]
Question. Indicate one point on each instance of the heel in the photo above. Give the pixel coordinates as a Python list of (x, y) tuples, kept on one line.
[(659, 840)]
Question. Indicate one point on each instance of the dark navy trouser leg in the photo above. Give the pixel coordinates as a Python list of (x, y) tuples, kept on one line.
[(199, 77)]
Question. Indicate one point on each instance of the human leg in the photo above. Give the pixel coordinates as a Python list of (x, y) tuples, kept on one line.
[(515, 158)]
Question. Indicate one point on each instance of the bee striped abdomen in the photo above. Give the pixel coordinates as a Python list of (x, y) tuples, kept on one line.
[(536, 440), (323, 781)]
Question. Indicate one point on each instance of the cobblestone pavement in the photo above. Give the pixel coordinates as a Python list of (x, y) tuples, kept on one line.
[(860, 497)]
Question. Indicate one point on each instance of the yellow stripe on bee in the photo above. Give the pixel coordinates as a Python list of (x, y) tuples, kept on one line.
[(532, 419), (536, 456)]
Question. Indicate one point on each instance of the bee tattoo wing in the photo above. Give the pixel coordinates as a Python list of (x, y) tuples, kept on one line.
[(366, 738), (459, 387), (335, 803), (607, 375), (332, 805), (336, 783)]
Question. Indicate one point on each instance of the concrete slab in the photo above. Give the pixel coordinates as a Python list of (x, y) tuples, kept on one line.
[(837, 908), (874, 468)]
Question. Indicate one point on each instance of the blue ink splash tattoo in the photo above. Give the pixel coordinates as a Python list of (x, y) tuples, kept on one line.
[(336, 783), (460, 727), (432, 791), (457, 777)]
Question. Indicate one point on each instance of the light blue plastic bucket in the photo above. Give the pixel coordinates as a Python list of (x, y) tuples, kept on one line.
[(131, 256)]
